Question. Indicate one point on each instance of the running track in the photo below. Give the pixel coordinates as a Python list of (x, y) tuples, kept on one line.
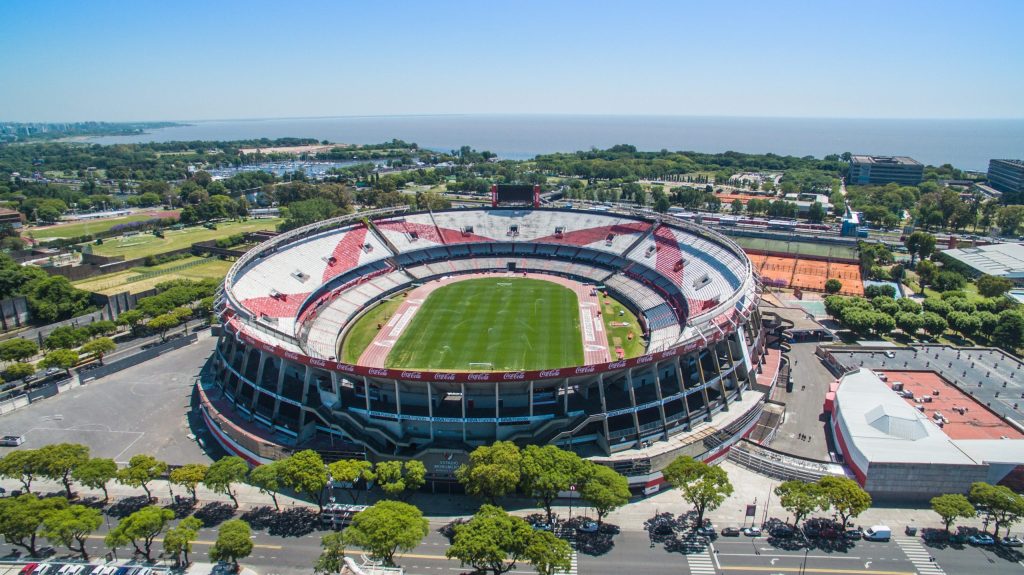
[(595, 341)]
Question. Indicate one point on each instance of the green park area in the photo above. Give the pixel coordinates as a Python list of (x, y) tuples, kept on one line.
[(620, 324), (140, 279), (86, 227), (145, 244), (363, 332)]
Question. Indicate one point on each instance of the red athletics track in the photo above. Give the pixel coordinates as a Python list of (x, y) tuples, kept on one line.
[(595, 340)]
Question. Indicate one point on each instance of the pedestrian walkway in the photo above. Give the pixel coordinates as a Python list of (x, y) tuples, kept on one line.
[(920, 557), (573, 565), (700, 563)]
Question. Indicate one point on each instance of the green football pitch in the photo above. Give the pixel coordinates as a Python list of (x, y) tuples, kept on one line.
[(505, 323)]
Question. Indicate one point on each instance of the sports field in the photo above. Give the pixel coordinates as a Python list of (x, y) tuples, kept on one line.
[(140, 279), (146, 244), (84, 227), (501, 323), (797, 248)]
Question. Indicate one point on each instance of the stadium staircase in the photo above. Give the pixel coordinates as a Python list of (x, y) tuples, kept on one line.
[(625, 253), (580, 423), (391, 261), (436, 227)]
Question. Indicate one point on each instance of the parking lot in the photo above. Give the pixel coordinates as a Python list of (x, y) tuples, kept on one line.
[(144, 409)]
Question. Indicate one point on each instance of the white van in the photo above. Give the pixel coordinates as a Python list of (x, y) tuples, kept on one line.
[(878, 533)]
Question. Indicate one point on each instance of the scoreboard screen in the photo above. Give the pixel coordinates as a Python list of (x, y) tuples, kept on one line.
[(515, 193)]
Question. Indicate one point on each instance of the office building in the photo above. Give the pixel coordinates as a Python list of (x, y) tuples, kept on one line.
[(902, 170), (1007, 176)]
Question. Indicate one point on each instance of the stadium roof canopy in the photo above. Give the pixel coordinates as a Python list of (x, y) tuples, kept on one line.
[(885, 428), (1003, 260)]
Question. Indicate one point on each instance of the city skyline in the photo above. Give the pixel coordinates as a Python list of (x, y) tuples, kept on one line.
[(188, 61)]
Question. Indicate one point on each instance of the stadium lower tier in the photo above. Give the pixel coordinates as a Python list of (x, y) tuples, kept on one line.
[(597, 414)]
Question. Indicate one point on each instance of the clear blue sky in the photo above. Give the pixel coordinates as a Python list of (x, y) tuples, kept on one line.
[(189, 60)]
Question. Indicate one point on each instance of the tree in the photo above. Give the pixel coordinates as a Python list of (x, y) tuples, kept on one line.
[(1009, 331), (926, 273), (993, 286), (548, 553), (19, 370), (1000, 503), (547, 471), (951, 507), (833, 286), (178, 540), (59, 460), (233, 542), (95, 474), (189, 476), (99, 347), (800, 498), (22, 516), (605, 489), (101, 327), (23, 465), (736, 207), (18, 349), (305, 472), (66, 337), (140, 529), (267, 478), (223, 472), (845, 496), (662, 204), (354, 473), (332, 558), (919, 244), (934, 323), (62, 358), (141, 470), (131, 318), (71, 526), (1009, 219), (396, 478), (909, 322), (703, 486), (816, 212), (964, 323), (492, 471), (491, 541), (162, 323), (949, 280), (385, 528)]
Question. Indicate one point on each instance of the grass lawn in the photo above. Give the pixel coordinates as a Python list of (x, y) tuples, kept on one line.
[(619, 336), (362, 333), (506, 323), (141, 279), (85, 227), (146, 244)]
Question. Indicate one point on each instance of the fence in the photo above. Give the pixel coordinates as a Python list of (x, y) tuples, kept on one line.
[(133, 360)]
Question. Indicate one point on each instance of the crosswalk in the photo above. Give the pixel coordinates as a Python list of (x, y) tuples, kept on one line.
[(573, 565), (700, 563), (920, 557)]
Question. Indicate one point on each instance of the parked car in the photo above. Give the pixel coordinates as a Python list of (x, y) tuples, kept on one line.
[(541, 526), (707, 530), (28, 568), (878, 533), (782, 531), (752, 531), (730, 532), (1011, 542), (981, 539), (853, 534), (588, 527)]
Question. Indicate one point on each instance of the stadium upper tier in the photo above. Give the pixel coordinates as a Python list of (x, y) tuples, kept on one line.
[(300, 290)]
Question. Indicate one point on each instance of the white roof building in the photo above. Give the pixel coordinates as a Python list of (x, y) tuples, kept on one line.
[(1003, 260)]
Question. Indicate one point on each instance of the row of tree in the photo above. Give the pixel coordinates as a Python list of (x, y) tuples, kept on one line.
[(1001, 506)]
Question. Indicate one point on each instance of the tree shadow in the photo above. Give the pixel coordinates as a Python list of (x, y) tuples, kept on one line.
[(594, 544), (260, 518), (125, 507), (214, 513), (182, 507), (295, 522)]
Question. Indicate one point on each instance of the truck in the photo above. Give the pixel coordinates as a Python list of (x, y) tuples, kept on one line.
[(878, 533)]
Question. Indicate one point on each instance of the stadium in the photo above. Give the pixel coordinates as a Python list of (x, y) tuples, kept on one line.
[(398, 334)]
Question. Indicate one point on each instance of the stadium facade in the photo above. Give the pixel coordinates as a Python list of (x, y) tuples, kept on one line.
[(276, 383)]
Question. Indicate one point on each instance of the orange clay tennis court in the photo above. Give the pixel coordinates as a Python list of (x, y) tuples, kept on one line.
[(807, 274)]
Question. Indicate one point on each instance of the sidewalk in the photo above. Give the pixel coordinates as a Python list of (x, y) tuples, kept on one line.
[(749, 489)]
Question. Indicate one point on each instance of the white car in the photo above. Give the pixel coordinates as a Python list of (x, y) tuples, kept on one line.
[(12, 440)]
